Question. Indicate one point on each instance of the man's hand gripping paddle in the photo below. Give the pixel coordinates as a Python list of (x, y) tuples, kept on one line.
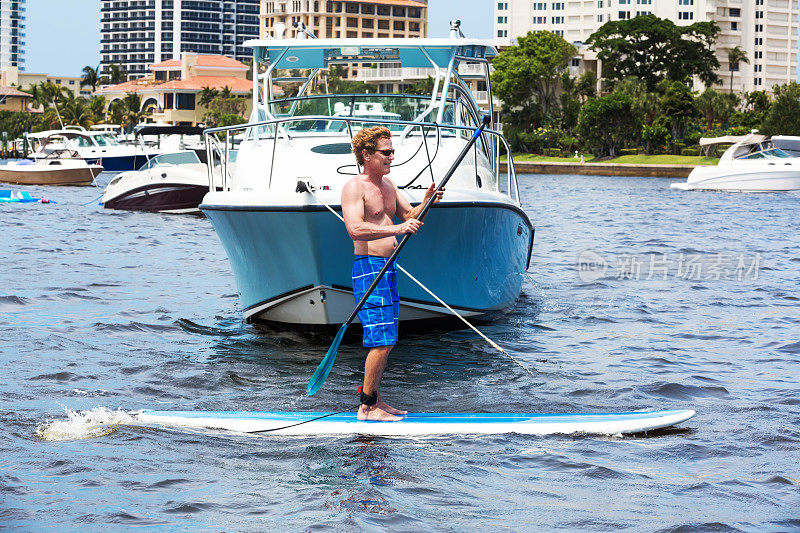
[(324, 368)]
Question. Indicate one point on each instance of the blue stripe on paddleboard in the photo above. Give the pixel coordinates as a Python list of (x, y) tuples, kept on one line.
[(421, 418)]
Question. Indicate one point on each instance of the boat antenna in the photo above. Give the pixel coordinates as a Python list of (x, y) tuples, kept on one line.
[(55, 106), (455, 29)]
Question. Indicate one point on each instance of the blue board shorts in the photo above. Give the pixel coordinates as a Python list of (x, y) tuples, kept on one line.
[(380, 314)]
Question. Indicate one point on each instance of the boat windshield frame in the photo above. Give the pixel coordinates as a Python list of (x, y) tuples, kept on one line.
[(442, 55)]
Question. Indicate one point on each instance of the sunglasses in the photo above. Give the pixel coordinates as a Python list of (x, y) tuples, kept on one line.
[(387, 153)]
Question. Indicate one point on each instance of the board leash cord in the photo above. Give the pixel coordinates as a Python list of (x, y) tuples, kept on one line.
[(305, 421)]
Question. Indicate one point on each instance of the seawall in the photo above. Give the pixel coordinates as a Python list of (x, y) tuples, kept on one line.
[(601, 169)]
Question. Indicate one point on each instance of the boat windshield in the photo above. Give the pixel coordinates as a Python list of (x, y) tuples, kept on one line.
[(773, 153), (177, 158), (369, 106), (105, 139)]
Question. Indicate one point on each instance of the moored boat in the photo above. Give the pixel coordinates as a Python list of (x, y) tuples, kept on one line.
[(173, 182), (95, 147), (58, 167), (292, 257), (751, 164)]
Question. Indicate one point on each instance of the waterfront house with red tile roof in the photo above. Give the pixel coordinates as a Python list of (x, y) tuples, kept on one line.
[(171, 91)]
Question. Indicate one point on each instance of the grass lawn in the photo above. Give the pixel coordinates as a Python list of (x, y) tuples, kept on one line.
[(641, 159)]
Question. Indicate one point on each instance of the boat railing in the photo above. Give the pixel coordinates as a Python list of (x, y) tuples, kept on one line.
[(220, 142)]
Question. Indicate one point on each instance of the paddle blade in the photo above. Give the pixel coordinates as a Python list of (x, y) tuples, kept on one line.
[(324, 368)]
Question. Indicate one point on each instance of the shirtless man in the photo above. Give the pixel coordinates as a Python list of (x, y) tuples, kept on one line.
[(369, 201)]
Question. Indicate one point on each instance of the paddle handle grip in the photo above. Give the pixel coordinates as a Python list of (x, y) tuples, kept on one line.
[(425, 209)]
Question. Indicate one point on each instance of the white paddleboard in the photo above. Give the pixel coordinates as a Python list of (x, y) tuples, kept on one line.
[(416, 424)]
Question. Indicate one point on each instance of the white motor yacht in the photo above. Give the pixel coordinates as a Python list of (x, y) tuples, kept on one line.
[(290, 253), (94, 147), (752, 164)]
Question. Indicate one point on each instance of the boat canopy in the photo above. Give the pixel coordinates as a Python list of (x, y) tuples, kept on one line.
[(415, 53), (732, 139)]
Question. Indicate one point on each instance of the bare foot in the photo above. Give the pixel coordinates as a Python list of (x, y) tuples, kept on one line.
[(376, 413), (389, 409)]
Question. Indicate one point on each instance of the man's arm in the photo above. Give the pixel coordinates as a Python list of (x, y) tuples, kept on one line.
[(361, 230), (404, 209)]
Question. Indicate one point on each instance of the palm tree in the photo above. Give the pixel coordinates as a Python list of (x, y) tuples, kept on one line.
[(37, 96), (207, 94), (134, 113), (115, 74), (116, 112), (98, 106), (90, 77), (736, 55), (76, 111)]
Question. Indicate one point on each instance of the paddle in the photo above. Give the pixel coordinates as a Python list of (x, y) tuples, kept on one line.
[(324, 368)]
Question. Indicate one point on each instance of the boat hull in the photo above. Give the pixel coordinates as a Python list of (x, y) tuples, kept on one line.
[(160, 197), (120, 163), (293, 264), (59, 176), (760, 179)]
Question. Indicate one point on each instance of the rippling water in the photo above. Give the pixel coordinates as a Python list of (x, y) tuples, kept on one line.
[(691, 301)]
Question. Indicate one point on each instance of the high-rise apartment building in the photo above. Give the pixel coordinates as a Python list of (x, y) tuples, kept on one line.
[(765, 29), (137, 33), (12, 33), (347, 19)]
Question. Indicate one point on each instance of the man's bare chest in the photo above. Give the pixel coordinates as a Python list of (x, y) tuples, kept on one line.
[(379, 202)]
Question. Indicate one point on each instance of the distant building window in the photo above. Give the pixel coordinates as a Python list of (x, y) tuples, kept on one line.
[(600, 4), (759, 14), (734, 12), (502, 20), (576, 62), (685, 2), (642, 13), (558, 6), (759, 28), (557, 20), (502, 33), (624, 15), (759, 41), (600, 18), (560, 33), (623, 2), (758, 68), (502, 6), (685, 15), (539, 6), (539, 20), (734, 26)]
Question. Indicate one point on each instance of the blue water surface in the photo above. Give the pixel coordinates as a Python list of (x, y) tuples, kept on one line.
[(638, 297)]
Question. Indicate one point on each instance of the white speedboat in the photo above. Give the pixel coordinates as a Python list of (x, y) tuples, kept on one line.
[(94, 147), (752, 164), (58, 167), (291, 255), (173, 182)]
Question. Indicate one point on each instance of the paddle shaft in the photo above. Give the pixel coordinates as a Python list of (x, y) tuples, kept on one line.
[(421, 215)]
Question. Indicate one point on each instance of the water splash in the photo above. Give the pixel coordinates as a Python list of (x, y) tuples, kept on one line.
[(96, 422)]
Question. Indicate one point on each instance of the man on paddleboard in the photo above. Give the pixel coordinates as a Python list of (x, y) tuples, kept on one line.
[(369, 201)]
